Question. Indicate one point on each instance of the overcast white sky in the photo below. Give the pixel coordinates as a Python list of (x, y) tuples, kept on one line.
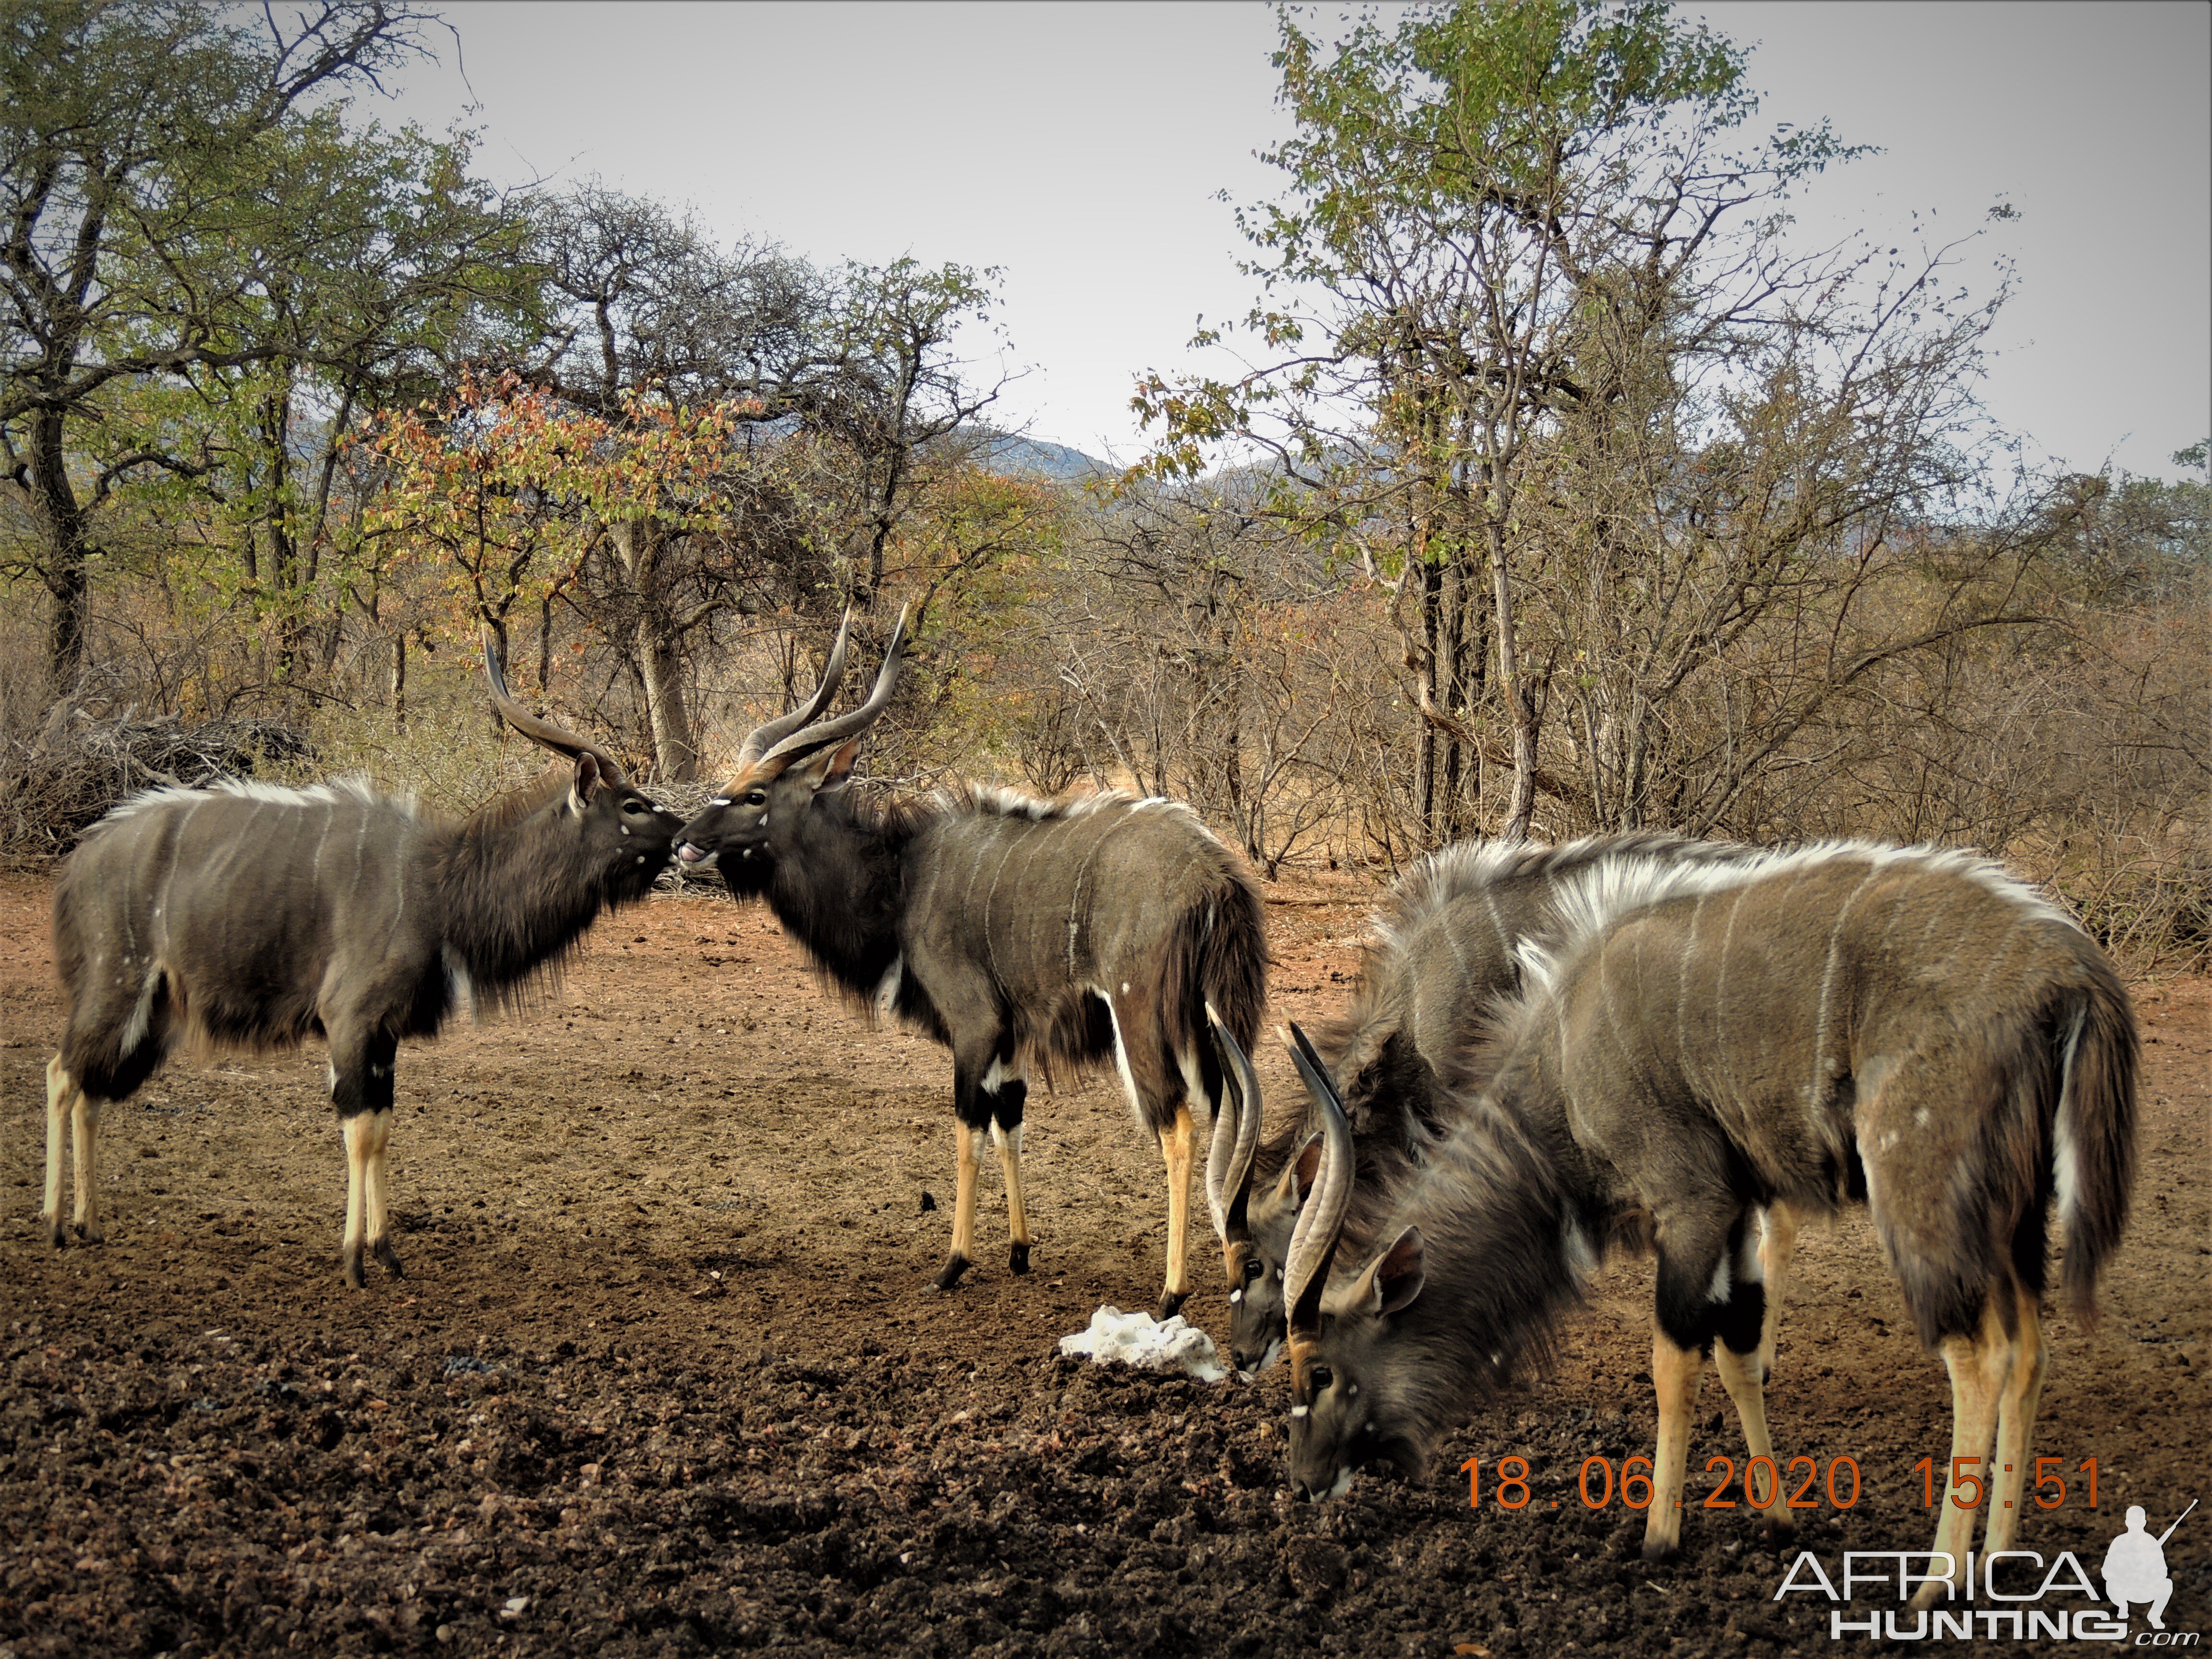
[(1082, 147)]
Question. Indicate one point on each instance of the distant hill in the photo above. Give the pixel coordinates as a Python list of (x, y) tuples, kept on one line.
[(1033, 458)]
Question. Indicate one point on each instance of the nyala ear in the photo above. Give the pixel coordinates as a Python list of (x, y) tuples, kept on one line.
[(832, 768), (1394, 1278), (586, 784), (1296, 1178), (841, 763)]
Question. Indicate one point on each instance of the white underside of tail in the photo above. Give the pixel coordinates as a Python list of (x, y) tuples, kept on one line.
[(2066, 1164), (142, 1014), (1122, 1053), (1194, 1091), (465, 990)]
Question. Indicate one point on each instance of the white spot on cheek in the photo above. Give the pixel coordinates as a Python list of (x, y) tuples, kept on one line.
[(763, 822), (1236, 1296), (719, 800), (1298, 1411), (625, 828)]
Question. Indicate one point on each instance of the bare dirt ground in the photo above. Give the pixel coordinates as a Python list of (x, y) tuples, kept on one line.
[(664, 1375)]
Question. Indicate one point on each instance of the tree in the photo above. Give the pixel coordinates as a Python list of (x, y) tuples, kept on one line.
[(894, 399), (850, 409), (417, 268), (506, 491), (1627, 468), (166, 179), (1470, 192)]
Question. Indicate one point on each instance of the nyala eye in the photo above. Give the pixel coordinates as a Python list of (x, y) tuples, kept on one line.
[(1322, 1377), (1252, 1271), (756, 797)]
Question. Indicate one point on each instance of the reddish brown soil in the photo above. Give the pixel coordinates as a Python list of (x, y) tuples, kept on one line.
[(664, 1375)]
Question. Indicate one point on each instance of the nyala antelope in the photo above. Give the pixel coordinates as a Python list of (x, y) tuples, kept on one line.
[(1441, 953), (1023, 935), (1907, 1029), (248, 916)]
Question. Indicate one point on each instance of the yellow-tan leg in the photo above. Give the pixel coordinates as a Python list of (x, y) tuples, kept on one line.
[(1777, 1243), (357, 1130), (2023, 1392), (1978, 1367), (1739, 1375), (374, 1185), (61, 1089), (85, 1112), (1176, 1148), (963, 1208), (1009, 1142), (1675, 1373)]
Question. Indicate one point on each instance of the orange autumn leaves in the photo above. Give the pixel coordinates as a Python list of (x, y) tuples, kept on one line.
[(500, 491)]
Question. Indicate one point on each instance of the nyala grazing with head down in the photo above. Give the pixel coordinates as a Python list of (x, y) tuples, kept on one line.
[(1023, 935), (1908, 1030), (1442, 952), (248, 916)]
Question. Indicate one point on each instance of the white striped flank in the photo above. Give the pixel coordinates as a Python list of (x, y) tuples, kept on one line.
[(1816, 1089)]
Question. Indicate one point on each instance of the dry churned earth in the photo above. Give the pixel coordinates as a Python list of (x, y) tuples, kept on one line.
[(664, 1375)]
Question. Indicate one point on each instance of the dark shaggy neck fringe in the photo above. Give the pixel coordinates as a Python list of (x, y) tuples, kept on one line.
[(1493, 1205), (840, 898), (519, 803), (519, 893)]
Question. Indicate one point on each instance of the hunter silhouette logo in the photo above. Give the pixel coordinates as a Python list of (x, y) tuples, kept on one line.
[(2134, 1566)]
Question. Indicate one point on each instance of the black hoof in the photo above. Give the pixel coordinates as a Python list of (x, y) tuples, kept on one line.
[(350, 1264), (1656, 1551), (58, 1233), (388, 1258), (950, 1276), (1171, 1304), (1018, 1259)]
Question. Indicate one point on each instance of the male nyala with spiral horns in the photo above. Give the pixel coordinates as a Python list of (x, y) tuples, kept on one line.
[(248, 916), (1904, 1029), (1023, 935)]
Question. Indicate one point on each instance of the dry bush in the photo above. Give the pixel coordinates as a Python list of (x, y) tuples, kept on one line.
[(58, 786)]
